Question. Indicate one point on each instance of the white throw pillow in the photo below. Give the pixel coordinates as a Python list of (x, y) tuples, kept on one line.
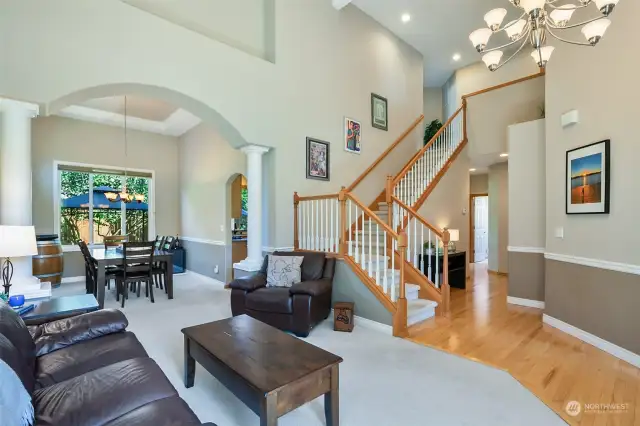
[(284, 271)]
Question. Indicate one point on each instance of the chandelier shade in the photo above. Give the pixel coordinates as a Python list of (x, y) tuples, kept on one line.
[(541, 21)]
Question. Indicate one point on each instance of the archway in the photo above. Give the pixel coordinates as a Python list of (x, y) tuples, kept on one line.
[(236, 215)]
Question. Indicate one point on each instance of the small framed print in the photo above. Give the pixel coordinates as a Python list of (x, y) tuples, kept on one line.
[(352, 136), (379, 114), (587, 179), (317, 159)]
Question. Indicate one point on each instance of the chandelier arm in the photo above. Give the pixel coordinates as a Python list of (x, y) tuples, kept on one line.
[(582, 6), (512, 56), (512, 23), (523, 35), (552, 25), (577, 43)]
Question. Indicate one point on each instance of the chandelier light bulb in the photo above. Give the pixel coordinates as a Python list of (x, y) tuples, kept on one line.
[(606, 6), (542, 57), (514, 29), (594, 31), (495, 17), (480, 38), (492, 59), (531, 5), (562, 14)]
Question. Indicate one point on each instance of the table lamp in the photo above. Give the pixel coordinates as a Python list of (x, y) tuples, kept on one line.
[(454, 236), (15, 241)]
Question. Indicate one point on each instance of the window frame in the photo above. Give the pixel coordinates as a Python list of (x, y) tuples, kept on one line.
[(57, 189)]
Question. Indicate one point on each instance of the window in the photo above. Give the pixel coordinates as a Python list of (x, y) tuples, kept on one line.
[(86, 213)]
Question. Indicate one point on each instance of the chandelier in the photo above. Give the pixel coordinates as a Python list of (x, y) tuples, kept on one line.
[(124, 195), (541, 18)]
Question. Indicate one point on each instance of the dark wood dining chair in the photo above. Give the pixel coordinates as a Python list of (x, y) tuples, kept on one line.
[(91, 270), (113, 241), (137, 267)]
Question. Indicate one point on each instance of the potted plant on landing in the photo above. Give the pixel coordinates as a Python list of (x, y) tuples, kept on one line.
[(431, 130), (430, 249)]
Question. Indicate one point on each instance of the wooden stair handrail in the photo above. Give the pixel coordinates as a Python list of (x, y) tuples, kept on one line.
[(424, 149), (317, 197), (417, 216), (373, 216), (503, 85), (385, 153)]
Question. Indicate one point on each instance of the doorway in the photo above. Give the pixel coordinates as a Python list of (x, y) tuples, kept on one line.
[(479, 226), (238, 215)]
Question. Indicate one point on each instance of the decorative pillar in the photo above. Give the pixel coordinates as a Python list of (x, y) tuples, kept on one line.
[(253, 262), (16, 185)]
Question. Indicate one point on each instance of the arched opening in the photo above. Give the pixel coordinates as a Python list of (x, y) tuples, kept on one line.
[(237, 214)]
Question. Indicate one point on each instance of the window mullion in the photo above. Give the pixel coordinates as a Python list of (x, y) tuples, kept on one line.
[(91, 208)]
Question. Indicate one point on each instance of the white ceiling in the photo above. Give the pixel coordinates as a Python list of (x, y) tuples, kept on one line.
[(147, 115), (438, 29)]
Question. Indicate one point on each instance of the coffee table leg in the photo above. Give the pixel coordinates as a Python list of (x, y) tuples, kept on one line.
[(269, 410), (332, 399), (189, 364)]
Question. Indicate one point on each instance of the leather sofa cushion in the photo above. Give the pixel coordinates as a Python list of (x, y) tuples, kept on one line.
[(163, 412), (87, 356), (102, 395), (17, 345), (274, 299), (59, 334)]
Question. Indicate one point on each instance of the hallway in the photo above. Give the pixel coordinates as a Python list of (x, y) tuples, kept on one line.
[(556, 367)]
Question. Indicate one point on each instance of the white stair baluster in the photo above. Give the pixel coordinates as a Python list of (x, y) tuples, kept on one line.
[(357, 256), (393, 274), (377, 254), (349, 229), (370, 250), (437, 262), (415, 241), (409, 236), (421, 263), (331, 230), (430, 252), (364, 258), (386, 266), (312, 226)]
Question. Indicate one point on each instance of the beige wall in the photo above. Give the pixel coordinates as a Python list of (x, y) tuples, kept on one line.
[(444, 207), (207, 164), (527, 184), (432, 98), (498, 217), (64, 139), (479, 184), (607, 111)]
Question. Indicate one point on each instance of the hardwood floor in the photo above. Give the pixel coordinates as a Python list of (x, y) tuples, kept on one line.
[(556, 367)]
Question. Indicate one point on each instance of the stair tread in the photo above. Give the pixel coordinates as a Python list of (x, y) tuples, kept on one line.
[(419, 304)]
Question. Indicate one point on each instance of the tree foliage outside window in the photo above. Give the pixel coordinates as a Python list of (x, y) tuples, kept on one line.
[(244, 196), (74, 222)]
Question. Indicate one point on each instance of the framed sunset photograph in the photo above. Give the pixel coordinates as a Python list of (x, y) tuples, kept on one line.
[(587, 180)]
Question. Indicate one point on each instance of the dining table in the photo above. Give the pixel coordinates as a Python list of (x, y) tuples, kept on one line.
[(106, 257)]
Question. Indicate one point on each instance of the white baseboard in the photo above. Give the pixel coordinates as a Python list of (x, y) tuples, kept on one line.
[(370, 324), (525, 302), (615, 350), (66, 280)]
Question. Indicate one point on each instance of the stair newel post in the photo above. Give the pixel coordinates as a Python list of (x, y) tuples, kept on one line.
[(296, 240), (446, 290), (464, 119), (342, 199), (400, 317)]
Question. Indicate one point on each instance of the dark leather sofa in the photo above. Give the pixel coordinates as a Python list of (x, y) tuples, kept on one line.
[(87, 370), (296, 309)]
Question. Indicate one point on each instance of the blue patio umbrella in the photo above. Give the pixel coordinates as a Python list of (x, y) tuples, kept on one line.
[(100, 201)]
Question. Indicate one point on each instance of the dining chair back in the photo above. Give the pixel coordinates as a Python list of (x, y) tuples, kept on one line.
[(169, 243), (159, 242), (138, 258), (114, 240)]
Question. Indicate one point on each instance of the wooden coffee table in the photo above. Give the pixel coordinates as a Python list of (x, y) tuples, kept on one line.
[(270, 371)]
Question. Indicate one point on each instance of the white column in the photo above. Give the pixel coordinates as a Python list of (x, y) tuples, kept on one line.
[(15, 182), (253, 262)]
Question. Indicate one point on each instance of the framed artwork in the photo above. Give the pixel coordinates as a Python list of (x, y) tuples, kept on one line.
[(352, 135), (379, 116), (317, 159), (587, 179)]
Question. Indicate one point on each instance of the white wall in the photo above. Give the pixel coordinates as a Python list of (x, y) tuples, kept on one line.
[(499, 217), (605, 93), (432, 98), (527, 169), (207, 163), (479, 184), (317, 80), (65, 139)]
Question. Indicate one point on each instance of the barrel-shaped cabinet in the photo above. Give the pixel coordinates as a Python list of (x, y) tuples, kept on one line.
[(48, 264)]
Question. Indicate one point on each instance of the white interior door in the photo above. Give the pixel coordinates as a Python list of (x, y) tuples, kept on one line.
[(481, 228)]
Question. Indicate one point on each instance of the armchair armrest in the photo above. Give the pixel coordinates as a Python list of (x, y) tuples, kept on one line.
[(59, 334), (249, 284), (311, 288)]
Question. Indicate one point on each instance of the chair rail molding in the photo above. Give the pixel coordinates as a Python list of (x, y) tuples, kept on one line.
[(202, 241), (516, 249), (595, 263), (611, 348)]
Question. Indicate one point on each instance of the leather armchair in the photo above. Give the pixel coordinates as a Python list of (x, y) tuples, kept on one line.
[(296, 309)]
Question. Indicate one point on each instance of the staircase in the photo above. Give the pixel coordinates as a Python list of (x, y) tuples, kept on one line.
[(395, 252)]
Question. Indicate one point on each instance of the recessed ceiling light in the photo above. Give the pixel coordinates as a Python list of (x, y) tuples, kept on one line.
[(504, 154), (456, 57), (405, 17), (472, 170)]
